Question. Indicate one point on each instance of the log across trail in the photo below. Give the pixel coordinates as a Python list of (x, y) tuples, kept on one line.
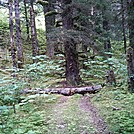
[(72, 114), (63, 91)]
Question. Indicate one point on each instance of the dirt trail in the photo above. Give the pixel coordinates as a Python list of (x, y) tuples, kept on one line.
[(58, 125), (60, 106), (85, 115), (99, 124)]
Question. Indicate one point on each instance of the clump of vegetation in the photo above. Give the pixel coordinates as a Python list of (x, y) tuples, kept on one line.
[(31, 116), (116, 106)]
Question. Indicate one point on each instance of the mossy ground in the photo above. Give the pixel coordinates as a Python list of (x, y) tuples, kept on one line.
[(116, 106), (48, 114), (55, 114)]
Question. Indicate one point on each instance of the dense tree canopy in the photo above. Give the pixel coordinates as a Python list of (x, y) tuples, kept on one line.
[(71, 28)]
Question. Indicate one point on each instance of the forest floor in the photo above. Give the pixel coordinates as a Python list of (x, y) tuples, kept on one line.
[(53, 114), (90, 114), (89, 120), (56, 114), (111, 110)]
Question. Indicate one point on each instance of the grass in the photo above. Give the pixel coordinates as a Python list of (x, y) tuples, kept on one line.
[(31, 117), (46, 115), (41, 115), (70, 119), (116, 106)]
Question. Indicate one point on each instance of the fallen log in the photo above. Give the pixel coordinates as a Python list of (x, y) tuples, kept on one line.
[(63, 91)]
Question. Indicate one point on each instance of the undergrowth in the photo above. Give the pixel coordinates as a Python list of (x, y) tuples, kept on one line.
[(116, 107), (30, 118), (33, 114)]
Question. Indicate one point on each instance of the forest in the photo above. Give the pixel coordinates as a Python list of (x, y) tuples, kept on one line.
[(66, 66)]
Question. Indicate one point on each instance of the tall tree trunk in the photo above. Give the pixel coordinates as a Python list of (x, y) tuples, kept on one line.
[(18, 35), (107, 43), (26, 17), (49, 23), (106, 27), (71, 55), (123, 25), (13, 50), (35, 49), (130, 7), (130, 51)]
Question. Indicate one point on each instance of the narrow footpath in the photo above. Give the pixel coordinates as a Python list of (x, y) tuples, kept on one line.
[(76, 115)]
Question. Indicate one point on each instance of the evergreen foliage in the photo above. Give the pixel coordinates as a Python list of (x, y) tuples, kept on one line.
[(94, 23)]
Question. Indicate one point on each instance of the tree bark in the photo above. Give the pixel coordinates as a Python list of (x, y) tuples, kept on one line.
[(18, 35), (71, 54), (49, 23), (26, 17), (130, 8), (35, 49), (130, 68), (110, 77), (106, 27), (64, 91), (13, 50), (123, 25), (130, 51), (71, 57), (107, 43)]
